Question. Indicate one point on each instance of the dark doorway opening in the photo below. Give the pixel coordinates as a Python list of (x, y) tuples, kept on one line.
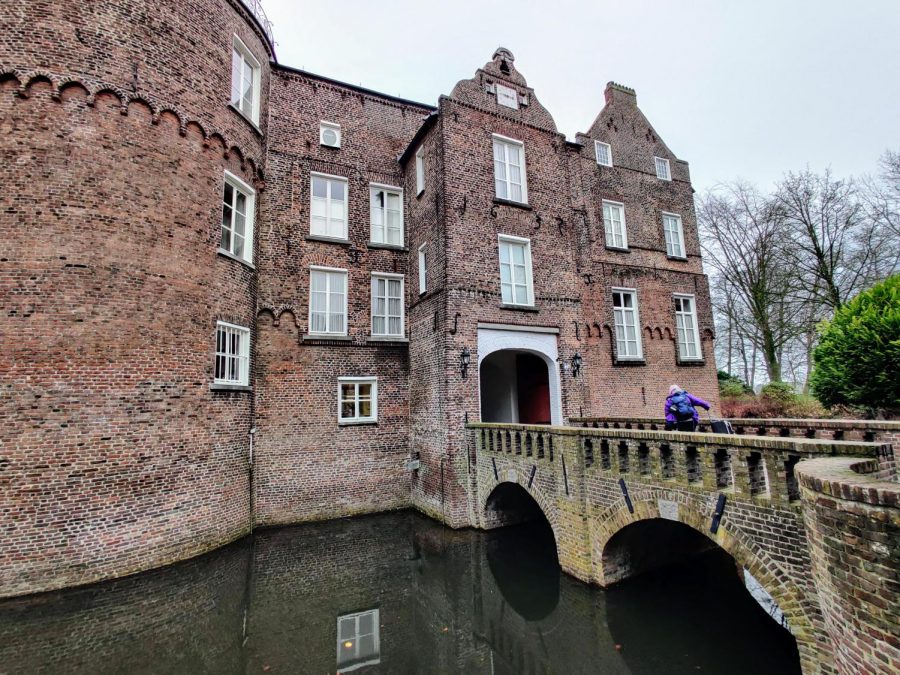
[(515, 388)]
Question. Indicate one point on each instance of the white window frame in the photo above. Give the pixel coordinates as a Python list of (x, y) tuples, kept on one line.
[(695, 333), (529, 281), (357, 419), (609, 233), (328, 200), (387, 334), (662, 163), (342, 666), (423, 268), (679, 242), (239, 51), (329, 270), (387, 189), (597, 146), (237, 185), (420, 170), (329, 126), (635, 311), (507, 96), (505, 142), (243, 357)]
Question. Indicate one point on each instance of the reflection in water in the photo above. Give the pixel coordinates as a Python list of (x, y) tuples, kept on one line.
[(395, 593)]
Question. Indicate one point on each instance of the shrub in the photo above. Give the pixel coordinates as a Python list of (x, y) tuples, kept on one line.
[(857, 360), (778, 392), (731, 386)]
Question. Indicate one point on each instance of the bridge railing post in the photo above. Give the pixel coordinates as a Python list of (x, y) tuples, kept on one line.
[(708, 467), (777, 476)]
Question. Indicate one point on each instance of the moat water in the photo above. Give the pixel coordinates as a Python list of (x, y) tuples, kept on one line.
[(396, 593)]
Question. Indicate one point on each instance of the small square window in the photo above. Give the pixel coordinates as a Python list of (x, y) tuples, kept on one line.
[(245, 81), (515, 271), (232, 364), (604, 153), (357, 400), (420, 170), (386, 215), (330, 134), (507, 96), (387, 305), (662, 169), (236, 231)]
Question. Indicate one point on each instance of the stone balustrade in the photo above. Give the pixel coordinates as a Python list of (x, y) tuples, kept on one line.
[(755, 467)]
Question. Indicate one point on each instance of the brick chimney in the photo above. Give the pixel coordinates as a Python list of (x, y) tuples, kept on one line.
[(620, 93)]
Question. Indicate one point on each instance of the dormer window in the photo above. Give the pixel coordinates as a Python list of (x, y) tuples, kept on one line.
[(507, 96)]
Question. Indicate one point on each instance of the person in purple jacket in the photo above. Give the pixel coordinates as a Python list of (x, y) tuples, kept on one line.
[(681, 410)]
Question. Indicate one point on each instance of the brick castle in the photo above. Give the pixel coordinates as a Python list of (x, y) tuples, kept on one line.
[(235, 293)]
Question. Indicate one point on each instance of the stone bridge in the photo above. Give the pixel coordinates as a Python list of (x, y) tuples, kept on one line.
[(620, 501)]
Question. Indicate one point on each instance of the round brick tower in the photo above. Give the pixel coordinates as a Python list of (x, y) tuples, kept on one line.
[(118, 450)]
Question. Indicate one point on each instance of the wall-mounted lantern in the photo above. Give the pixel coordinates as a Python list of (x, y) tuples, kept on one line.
[(576, 364), (465, 358)]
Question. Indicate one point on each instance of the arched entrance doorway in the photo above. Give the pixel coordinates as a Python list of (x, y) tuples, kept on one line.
[(519, 376), (515, 388)]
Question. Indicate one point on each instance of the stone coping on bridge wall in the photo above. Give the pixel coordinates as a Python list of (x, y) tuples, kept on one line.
[(801, 446), (850, 479)]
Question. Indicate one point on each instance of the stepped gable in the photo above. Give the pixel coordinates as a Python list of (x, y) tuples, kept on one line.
[(480, 92)]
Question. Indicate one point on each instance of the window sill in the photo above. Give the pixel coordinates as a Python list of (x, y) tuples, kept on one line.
[(520, 308), (514, 204), (356, 423), (230, 387), (227, 254), (618, 249), (390, 247), (324, 338), (679, 258), (388, 339), (630, 362), (690, 363), (327, 240), (420, 193), (253, 125)]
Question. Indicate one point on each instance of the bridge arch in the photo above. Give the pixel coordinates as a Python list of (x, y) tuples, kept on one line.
[(610, 523)]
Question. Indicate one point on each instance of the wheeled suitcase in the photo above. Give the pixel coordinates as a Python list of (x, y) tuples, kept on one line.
[(721, 427)]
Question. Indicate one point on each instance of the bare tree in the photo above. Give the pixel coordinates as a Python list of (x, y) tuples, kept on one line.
[(743, 240)]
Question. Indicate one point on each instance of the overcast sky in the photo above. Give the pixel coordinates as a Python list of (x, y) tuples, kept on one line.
[(747, 88)]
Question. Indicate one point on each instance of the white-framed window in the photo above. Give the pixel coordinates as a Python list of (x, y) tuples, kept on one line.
[(662, 169), (507, 96), (386, 214), (238, 203), (327, 301), (603, 152), (245, 81), (357, 400), (627, 323), (674, 234), (328, 211), (420, 170), (509, 169), (423, 269), (614, 224), (358, 640), (232, 354), (687, 328), (329, 134), (387, 304), (515, 271)]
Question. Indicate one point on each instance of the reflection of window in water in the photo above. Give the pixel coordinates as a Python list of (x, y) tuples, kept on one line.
[(358, 640)]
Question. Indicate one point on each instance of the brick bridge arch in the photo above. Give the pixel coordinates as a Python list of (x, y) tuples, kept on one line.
[(545, 504)]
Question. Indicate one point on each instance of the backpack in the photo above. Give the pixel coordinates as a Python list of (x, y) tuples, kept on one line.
[(680, 404)]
